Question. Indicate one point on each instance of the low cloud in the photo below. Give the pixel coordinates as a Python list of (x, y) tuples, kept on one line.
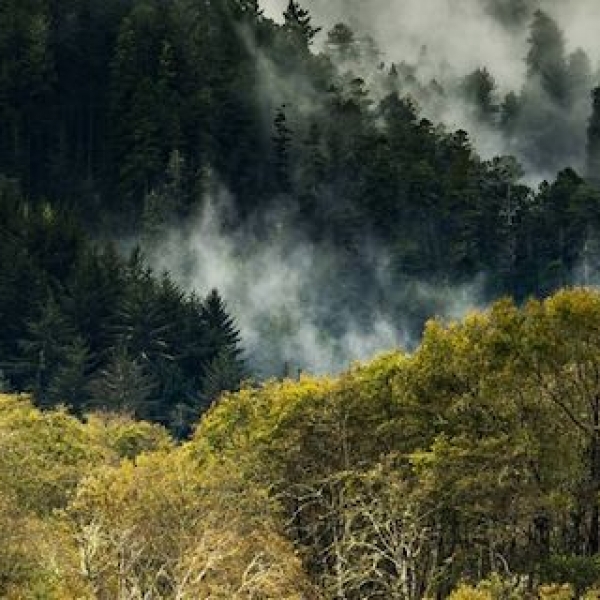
[(295, 309)]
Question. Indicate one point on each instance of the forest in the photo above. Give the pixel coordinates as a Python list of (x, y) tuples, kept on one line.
[(209, 211), (468, 469)]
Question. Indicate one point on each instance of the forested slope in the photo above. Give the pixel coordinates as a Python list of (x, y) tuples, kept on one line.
[(121, 121), (465, 466), (474, 458)]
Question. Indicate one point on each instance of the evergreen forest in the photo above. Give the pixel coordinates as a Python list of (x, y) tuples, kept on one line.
[(206, 214)]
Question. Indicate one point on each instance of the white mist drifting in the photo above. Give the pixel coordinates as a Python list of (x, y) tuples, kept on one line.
[(448, 39), (459, 35), (282, 290)]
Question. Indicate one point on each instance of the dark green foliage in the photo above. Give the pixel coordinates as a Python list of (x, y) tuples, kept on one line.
[(221, 331), (297, 24), (124, 385), (593, 137), (48, 337), (71, 313), (122, 115), (479, 88), (69, 383), (546, 58), (223, 373)]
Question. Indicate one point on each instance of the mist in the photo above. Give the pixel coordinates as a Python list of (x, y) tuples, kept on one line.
[(298, 309), (443, 41), (300, 306)]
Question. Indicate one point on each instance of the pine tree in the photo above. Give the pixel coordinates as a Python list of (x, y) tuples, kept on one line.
[(593, 140), (124, 385), (142, 326), (479, 88), (69, 384), (297, 23), (221, 330), (509, 113), (43, 348), (341, 43), (195, 347), (281, 148), (546, 59), (223, 374), (226, 367)]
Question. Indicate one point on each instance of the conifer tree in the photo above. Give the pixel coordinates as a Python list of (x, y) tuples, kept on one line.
[(69, 384), (281, 148), (546, 58), (224, 373), (49, 334), (124, 385), (593, 139), (297, 23), (479, 88), (221, 330)]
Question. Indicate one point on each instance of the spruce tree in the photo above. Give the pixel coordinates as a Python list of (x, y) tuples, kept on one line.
[(281, 149), (593, 139), (69, 384), (124, 385), (223, 374), (226, 368), (297, 23), (48, 336), (546, 60), (221, 330)]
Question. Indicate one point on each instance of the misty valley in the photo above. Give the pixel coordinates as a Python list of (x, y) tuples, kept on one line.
[(299, 300)]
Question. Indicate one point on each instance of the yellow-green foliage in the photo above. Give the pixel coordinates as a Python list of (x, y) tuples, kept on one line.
[(305, 428), (494, 587), (43, 455), (43, 458), (124, 436), (467, 592), (163, 523), (109, 508), (556, 592), (408, 472)]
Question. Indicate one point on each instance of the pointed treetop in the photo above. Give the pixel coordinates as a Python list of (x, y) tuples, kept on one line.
[(297, 21)]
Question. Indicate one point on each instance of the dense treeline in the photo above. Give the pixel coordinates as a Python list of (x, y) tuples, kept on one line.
[(84, 327), (126, 115), (473, 461), (467, 469), (121, 111)]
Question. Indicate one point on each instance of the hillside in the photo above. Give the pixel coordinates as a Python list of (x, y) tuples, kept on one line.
[(304, 173), (475, 457), (215, 214)]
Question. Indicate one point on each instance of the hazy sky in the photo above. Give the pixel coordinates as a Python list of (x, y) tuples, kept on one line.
[(458, 34)]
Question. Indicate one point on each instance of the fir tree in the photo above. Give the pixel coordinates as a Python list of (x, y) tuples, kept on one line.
[(281, 148), (224, 373), (221, 330), (69, 384), (593, 139), (297, 23), (49, 335), (124, 385)]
